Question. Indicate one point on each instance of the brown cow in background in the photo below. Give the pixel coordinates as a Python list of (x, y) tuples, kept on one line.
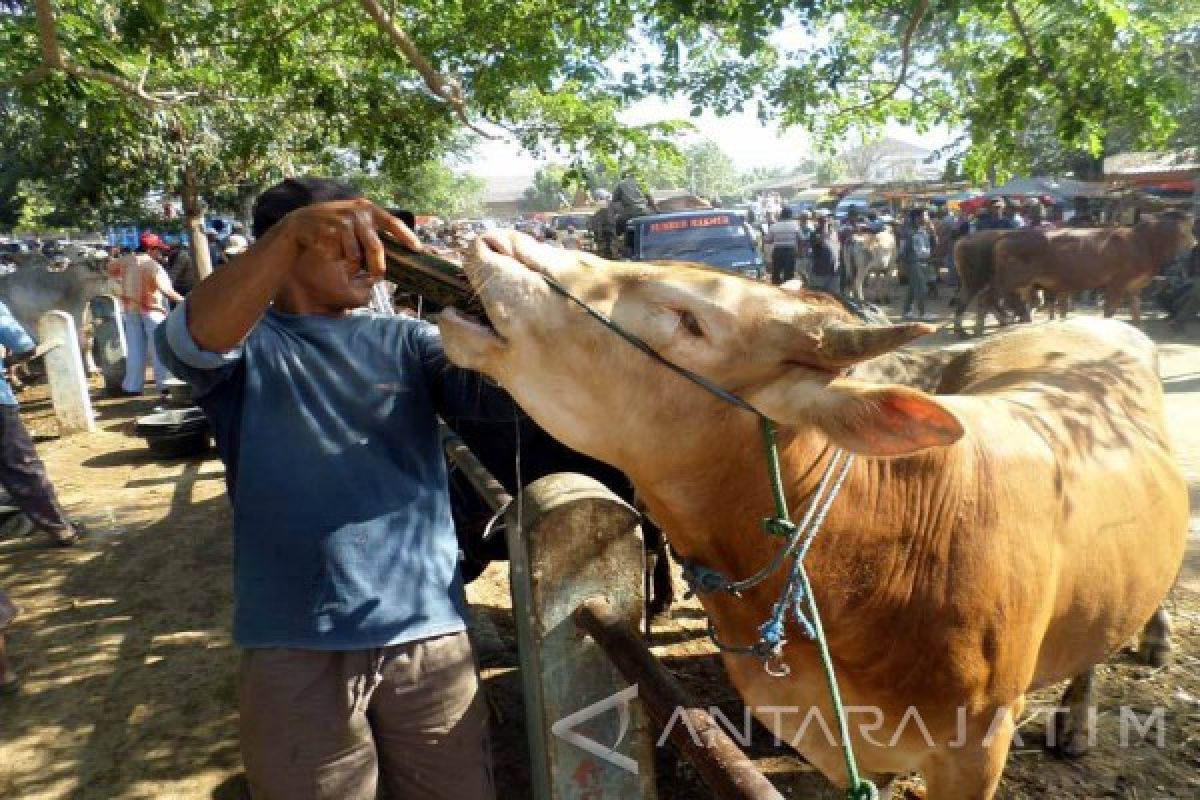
[(1118, 261), (1008, 265)]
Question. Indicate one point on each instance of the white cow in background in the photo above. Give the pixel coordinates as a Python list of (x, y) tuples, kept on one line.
[(869, 259)]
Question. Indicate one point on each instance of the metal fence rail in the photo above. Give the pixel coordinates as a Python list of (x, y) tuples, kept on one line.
[(594, 693)]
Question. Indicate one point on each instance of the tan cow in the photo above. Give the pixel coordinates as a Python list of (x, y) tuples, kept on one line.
[(1002, 535), (1118, 261), (869, 258)]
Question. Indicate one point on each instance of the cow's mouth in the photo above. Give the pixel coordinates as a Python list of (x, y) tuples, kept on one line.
[(474, 318)]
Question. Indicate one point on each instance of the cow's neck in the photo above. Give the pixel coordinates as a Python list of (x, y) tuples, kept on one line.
[(711, 511), (1156, 242)]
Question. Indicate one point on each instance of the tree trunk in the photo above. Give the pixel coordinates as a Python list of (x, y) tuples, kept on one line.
[(193, 214), (247, 195)]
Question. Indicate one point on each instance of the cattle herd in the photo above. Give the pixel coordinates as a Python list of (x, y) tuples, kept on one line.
[(1000, 269)]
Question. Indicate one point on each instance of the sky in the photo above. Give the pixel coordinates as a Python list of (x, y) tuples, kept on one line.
[(743, 137)]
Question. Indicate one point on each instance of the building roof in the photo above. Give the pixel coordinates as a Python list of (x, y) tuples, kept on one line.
[(505, 189), (1140, 163), (1055, 187)]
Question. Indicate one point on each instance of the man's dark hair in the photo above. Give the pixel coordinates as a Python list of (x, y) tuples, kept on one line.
[(786, 213), (275, 203)]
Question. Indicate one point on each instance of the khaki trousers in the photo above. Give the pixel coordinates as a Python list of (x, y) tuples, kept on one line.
[(410, 718)]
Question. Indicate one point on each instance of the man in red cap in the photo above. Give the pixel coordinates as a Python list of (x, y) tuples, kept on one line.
[(143, 287)]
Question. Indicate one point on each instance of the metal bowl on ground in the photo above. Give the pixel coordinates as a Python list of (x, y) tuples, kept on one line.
[(180, 393), (175, 433)]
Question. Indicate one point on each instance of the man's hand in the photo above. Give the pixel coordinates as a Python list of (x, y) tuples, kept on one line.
[(344, 232), (224, 307)]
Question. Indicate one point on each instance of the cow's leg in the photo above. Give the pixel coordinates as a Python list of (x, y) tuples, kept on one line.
[(972, 772), (960, 304), (860, 279), (662, 584), (1074, 725), (1155, 648), (86, 333), (1063, 303), (987, 300), (1024, 301), (1112, 301)]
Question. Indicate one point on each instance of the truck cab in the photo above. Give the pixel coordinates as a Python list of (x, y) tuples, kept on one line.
[(715, 237)]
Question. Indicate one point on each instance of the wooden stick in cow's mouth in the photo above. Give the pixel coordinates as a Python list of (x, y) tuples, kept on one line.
[(429, 276)]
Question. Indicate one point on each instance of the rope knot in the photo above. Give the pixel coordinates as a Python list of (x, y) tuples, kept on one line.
[(772, 634)]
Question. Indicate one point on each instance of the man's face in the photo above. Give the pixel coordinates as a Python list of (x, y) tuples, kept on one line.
[(329, 283)]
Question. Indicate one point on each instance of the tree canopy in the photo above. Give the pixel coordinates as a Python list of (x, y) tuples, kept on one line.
[(103, 100)]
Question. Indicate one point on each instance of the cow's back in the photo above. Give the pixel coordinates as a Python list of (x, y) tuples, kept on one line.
[(1076, 259)]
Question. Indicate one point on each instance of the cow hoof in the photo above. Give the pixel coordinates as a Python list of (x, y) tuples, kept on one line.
[(1154, 654), (1070, 742)]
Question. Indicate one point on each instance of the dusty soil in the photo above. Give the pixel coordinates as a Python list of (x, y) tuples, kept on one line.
[(123, 643)]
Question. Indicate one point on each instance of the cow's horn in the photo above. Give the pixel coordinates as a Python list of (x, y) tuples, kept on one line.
[(842, 345)]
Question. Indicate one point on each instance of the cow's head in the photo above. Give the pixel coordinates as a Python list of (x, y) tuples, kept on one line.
[(784, 352), (1171, 233)]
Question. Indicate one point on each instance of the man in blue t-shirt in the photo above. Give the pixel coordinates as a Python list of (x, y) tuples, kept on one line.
[(356, 667)]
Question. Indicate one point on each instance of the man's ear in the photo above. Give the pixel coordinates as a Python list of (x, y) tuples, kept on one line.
[(864, 418)]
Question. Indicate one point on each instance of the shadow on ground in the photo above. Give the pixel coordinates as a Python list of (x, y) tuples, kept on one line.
[(124, 650)]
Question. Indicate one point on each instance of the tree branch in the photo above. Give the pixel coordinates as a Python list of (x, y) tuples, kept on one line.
[(54, 60), (1031, 50), (1023, 32), (443, 87), (320, 10), (914, 21)]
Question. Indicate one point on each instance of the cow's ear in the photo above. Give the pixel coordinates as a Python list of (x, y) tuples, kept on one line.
[(863, 418)]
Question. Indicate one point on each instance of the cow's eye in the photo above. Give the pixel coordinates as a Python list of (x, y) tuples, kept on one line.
[(690, 324)]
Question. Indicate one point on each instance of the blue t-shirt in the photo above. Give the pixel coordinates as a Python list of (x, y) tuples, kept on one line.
[(343, 538), (16, 341)]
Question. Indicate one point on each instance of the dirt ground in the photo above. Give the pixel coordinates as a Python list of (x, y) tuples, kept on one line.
[(124, 648)]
